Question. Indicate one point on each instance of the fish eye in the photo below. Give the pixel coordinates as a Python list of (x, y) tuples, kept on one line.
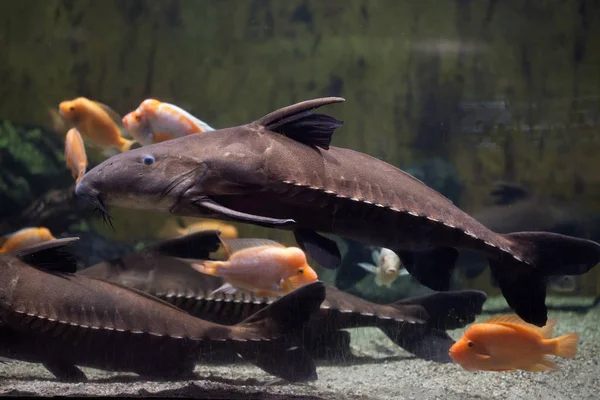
[(148, 159), (71, 108), (300, 271), (138, 118), (470, 344)]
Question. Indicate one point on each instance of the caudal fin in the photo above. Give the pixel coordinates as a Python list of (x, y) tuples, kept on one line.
[(541, 255), (448, 310), (125, 145), (566, 345), (440, 312), (207, 267), (277, 326), (80, 176)]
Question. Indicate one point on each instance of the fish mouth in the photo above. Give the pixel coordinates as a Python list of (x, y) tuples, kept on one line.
[(97, 202)]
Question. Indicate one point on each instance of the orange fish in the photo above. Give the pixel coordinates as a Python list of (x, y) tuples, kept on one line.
[(25, 237), (97, 122), (262, 266), (227, 231), (75, 154), (155, 121), (508, 343)]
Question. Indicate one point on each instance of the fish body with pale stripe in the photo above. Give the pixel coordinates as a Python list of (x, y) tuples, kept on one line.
[(51, 316), (280, 171), (416, 324)]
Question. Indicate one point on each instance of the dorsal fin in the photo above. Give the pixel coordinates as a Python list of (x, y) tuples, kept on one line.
[(298, 123), (117, 119), (545, 331), (235, 245), (50, 255), (505, 193), (196, 245), (114, 116)]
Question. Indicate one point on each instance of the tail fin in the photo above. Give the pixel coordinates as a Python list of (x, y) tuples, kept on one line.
[(448, 310), (80, 176), (523, 283), (440, 311), (125, 145), (566, 345), (278, 324), (207, 267)]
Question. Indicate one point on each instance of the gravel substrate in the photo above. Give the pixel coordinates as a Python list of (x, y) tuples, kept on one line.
[(381, 371)]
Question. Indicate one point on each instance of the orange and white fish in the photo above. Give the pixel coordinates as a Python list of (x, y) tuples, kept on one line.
[(262, 266), (154, 121), (25, 237), (97, 122), (75, 154), (507, 343)]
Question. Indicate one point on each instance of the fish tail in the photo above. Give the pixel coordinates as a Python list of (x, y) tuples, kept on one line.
[(532, 257), (80, 176), (125, 145), (566, 346), (271, 338), (421, 322), (208, 267)]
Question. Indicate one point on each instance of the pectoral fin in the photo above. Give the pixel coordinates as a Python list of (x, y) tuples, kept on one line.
[(65, 371), (431, 268), (323, 250), (241, 216), (368, 267)]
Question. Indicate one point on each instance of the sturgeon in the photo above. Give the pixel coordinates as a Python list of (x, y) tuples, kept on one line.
[(51, 316), (416, 324), (281, 172)]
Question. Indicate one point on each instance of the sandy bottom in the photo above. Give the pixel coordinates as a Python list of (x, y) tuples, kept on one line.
[(381, 371)]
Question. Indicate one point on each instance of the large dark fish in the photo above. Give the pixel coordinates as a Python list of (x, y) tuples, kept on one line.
[(49, 315), (416, 324), (515, 208), (280, 171)]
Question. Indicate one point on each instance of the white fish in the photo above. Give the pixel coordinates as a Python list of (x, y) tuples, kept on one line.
[(386, 268)]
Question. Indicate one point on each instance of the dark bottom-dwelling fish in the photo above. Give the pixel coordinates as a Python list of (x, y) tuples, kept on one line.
[(62, 320), (280, 171), (416, 324)]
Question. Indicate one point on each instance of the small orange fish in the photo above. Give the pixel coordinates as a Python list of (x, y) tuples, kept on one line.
[(262, 266), (155, 121), (227, 231), (172, 229), (25, 237), (507, 343), (97, 122), (75, 154)]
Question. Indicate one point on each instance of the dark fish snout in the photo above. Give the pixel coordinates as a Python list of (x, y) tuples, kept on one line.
[(86, 192)]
